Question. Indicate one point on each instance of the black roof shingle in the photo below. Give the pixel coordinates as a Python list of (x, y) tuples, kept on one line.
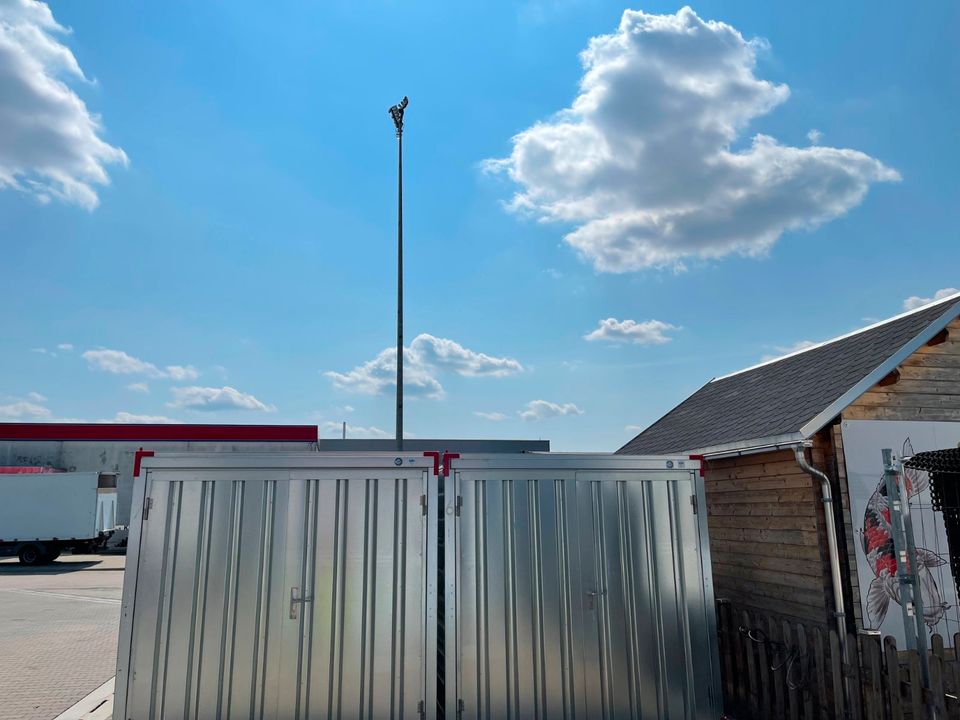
[(779, 397)]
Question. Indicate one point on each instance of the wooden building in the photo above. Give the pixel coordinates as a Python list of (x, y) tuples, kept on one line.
[(890, 384)]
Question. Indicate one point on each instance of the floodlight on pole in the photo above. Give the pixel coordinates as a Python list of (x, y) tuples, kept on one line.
[(396, 112)]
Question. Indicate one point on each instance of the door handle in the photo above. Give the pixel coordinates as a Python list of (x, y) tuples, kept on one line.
[(591, 597), (295, 600)]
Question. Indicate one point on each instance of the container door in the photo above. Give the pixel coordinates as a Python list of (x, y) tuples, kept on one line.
[(210, 599), (276, 595), (518, 648), (646, 637), (354, 599), (578, 594)]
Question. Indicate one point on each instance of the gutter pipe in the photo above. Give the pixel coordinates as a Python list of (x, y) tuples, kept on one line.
[(829, 519)]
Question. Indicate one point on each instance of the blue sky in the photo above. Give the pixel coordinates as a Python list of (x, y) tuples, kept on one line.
[(239, 264)]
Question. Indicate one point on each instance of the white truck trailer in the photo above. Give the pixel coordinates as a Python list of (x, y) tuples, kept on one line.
[(42, 514)]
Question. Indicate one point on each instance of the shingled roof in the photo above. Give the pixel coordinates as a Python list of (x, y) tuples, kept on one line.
[(792, 397)]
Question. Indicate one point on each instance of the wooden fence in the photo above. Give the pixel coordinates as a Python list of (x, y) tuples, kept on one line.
[(773, 668)]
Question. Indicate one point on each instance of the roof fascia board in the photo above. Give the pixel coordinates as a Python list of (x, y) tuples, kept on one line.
[(746, 447), (759, 449), (841, 403)]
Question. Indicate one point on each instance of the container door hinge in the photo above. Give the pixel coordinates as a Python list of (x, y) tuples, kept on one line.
[(423, 504), (693, 501), (147, 504), (459, 504), (460, 708), (421, 710)]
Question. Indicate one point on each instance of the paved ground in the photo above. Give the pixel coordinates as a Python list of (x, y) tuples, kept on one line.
[(58, 632)]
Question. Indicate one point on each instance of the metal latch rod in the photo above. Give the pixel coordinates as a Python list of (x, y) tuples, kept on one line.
[(296, 600)]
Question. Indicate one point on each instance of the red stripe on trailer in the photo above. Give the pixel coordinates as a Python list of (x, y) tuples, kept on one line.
[(158, 433), (26, 470)]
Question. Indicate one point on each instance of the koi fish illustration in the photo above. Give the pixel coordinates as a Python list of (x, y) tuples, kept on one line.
[(878, 547)]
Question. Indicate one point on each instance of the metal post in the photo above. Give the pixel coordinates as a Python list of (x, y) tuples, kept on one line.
[(396, 112), (901, 530)]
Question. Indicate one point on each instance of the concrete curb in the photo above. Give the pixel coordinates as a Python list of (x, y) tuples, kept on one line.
[(98, 705)]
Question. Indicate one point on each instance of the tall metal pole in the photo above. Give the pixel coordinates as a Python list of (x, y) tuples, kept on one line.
[(396, 112)]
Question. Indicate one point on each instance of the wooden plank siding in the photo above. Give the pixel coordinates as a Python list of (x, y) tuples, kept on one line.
[(928, 389), (765, 515), (765, 536)]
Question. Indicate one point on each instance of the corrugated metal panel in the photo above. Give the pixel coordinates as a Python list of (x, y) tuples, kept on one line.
[(106, 511), (308, 586), (581, 594), (277, 593)]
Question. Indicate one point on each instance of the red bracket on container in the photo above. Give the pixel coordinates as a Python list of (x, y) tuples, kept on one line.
[(137, 457), (437, 465), (435, 454), (447, 457), (703, 463)]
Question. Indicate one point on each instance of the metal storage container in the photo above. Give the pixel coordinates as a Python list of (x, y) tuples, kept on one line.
[(314, 585)]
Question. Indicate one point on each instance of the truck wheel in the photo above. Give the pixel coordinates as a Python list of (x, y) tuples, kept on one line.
[(53, 553), (32, 554)]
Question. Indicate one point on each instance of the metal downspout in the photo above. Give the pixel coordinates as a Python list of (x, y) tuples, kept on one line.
[(838, 604)]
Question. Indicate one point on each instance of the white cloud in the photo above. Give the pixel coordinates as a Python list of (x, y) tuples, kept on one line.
[(633, 428), (182, 372), (40, 350), (449, 355), (379, 376), (782, 350), (211, 399), (141, 387), (24, 410), (120, 363), (422, 361), (914, 301), (66, 347), (335, 429), (125, 417), (51, 145), (542, 409), (643, 160), (33, 410), (495, 416), (815, 136), (648, 332)]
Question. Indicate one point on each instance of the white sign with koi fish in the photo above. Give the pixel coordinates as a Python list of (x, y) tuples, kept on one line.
[(863, 441)]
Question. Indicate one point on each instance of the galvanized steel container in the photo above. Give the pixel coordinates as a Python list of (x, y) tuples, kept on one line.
[(582, 589), (309, 585)]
